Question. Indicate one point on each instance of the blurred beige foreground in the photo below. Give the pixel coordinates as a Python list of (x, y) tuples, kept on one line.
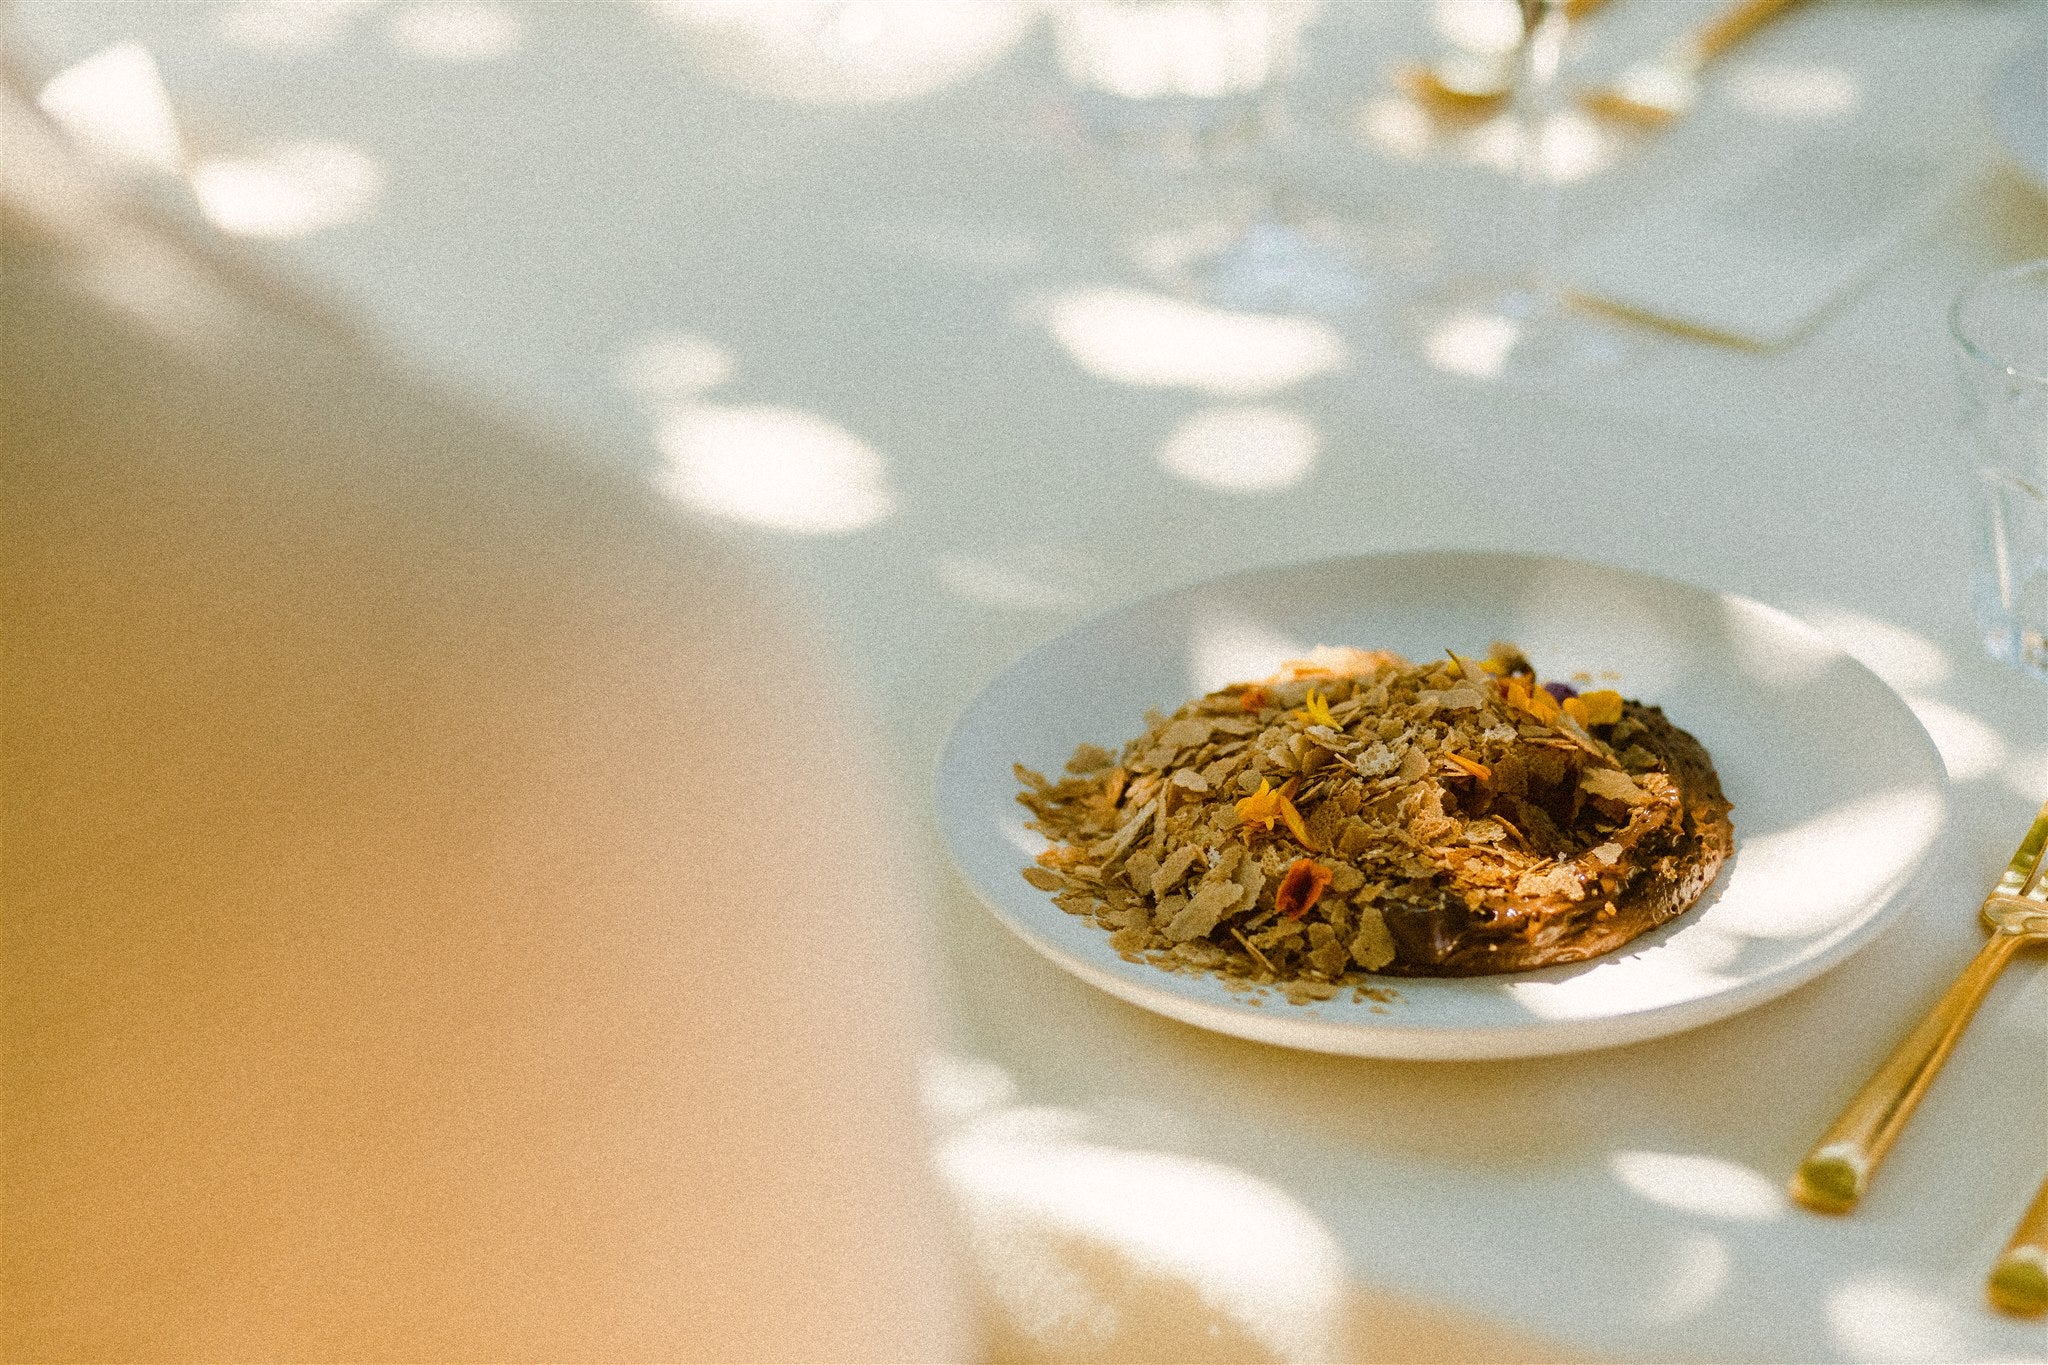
[(448, 915)]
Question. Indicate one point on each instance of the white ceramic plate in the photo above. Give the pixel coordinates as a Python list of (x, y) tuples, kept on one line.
[(2018, 106), (1839, 794)]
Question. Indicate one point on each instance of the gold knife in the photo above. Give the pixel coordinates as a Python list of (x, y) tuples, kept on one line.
[(1837, 1171), (2019, 1282)]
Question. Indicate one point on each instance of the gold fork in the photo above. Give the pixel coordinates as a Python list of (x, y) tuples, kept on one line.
[(1837, 1171), (1652, 93)]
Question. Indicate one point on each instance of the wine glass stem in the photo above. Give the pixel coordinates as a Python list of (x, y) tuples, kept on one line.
[(1239, 152), (1536, 104)]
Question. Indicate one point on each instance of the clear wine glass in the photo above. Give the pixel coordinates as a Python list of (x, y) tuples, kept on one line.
[(1520, 328), (2000, 329), (1187, 97)]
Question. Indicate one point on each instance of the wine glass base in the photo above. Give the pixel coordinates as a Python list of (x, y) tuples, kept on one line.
[(1276, 267), (1508, 333)]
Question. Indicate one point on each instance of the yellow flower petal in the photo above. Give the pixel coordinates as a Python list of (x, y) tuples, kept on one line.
[(1317, 709), (1601, 708), (1262, 807), (1295, 825)]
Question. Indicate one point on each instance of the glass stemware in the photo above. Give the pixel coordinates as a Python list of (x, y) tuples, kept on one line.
[(1520, 328), (1187, 98), (2000, 329)]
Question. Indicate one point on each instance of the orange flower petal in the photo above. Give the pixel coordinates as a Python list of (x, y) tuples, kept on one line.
[(1471, 766), (1301, 888)]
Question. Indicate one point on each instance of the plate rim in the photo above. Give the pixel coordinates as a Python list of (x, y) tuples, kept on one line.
[(1441, 1042)]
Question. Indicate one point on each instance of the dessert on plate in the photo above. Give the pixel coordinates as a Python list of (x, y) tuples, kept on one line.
[(1357, 816)]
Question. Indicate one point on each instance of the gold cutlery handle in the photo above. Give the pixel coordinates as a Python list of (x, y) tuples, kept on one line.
[(2019, 1282), (1731, 28), (1837, 1171)]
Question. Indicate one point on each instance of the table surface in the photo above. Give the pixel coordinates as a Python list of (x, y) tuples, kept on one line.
[(890, 250)]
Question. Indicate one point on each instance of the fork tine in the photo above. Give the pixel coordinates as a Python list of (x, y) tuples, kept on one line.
[(2024, 874)]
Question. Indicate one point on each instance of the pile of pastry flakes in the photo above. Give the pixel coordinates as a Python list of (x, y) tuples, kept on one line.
[(1255, 832)]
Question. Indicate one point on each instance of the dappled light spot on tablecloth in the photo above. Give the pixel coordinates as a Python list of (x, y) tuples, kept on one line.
[(1477, 25), (1879, 1317), (1576, 147), (1573, 145), (1397, 126), (458, 31), (290, 190), (667, 367), (1227, 649), (1198, 51), (1154, 341), (1091, 1251), (844, 51), (1471, 343), (1242, 449), (288, 27), (1782, 90), (1709, 1186), (1970, 748), (773, 467), (114, 103)]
